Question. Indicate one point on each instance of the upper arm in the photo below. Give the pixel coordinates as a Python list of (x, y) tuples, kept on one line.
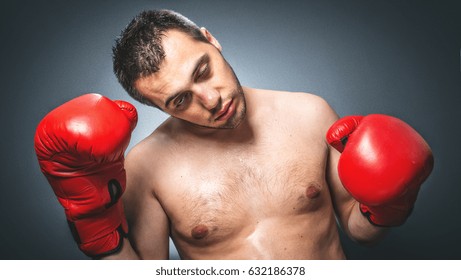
[(346, 207), (148, 223), (354, 224), (343, 202)]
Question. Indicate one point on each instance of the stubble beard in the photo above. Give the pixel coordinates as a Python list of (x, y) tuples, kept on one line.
[(239, 115)]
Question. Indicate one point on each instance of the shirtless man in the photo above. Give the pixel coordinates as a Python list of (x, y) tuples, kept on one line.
[(234, 173)]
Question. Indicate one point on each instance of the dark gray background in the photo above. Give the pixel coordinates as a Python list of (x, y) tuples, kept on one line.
[(394, 57)]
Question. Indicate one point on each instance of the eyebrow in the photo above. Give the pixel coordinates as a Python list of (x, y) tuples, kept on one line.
[(199, 62)]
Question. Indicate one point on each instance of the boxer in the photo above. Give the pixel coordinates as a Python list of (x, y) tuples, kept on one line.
[(234, 172)]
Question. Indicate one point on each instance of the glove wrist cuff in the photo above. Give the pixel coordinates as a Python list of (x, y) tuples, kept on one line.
[(101, 234), (385, 216)]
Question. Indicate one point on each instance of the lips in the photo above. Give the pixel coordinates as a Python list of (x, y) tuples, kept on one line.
[(226, 111)]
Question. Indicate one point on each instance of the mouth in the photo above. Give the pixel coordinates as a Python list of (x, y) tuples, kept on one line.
[(226, 112)]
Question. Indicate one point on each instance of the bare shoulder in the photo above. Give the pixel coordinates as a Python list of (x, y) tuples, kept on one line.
[(300, 106), (142, 160), (306, 103)]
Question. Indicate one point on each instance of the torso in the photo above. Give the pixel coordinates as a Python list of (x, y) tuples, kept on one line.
[(261, 197)]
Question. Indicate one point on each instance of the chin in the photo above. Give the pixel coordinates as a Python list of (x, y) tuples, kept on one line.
[(236, 120)]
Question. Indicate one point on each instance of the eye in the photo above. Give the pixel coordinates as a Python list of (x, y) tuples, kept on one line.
[(203, 71), (182, 100)]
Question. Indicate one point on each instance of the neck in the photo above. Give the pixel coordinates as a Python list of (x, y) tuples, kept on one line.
[(241, 133)]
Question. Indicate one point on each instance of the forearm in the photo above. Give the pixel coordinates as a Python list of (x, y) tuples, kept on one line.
[(359, 228), (125, 253)]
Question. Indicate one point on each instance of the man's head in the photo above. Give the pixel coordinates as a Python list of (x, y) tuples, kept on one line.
[(165, 60), (138, 52)]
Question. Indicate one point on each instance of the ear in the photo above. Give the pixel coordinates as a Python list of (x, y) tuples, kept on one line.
[(211, 38)]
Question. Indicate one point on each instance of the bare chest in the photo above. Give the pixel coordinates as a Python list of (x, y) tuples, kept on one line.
[(211, 195)]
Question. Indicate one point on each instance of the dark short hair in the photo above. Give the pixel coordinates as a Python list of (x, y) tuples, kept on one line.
[(138, 51)]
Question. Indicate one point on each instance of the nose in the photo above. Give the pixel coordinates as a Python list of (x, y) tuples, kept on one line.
[(209, 97)]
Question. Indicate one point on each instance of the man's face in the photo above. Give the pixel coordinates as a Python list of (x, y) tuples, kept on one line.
[(195, 83)]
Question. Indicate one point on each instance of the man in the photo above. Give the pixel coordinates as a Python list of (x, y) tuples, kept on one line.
[(234, 173)]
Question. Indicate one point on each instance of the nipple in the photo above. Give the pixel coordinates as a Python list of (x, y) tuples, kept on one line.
[(199, 232), (313, 190)]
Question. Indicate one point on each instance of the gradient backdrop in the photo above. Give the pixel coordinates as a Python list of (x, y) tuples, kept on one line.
[(394, 57)]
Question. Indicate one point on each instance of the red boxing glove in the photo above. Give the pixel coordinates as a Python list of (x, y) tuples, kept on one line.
[(80, 148), (383, 165)]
